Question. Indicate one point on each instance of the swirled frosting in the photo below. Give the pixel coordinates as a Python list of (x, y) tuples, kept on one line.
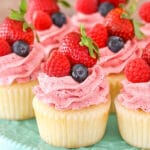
[(21, 69), (116, 62), (135, 96), (87, 20), (64, 93)]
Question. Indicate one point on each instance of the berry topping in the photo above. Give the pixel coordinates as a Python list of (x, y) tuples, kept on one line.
[(137, 70), (144, 11), (105, 7), (99, 34), (59, 19), (79, 48), (146, 53), (115, 43), (15, 27), (87, 6), (119, 26), (4, 47), (79, 72), (48, 6), (57, 65), (116, 3), (41, 20), (21, 48)]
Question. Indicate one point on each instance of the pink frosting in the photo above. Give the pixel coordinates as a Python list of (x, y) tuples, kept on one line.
[(135, 96), (146, 30), (116, 62), (65, 93), (21, 69), (88, 20)]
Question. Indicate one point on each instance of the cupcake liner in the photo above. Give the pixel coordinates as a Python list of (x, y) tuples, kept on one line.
[(134, 126), (16, 101), (72, 128), (115, 86)]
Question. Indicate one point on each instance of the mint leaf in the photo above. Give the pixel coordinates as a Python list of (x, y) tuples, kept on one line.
[(64, 3), (15, 15), (23, 6)]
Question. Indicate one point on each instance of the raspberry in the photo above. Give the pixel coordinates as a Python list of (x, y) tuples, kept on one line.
[(41, 20), (137, 70), (99, 34), (146, 54), (87, 6), (144, 12), (4, 47), (57, 65)]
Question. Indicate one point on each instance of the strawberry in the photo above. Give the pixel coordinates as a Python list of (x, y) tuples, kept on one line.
[(12, 30), (137, 70), (146, 53), (144, 11), (41, 20), (114, 2), (79, 48), (119, 26), (48, 6), (57, 65), (86, 6), (4, 47), (99, 34)]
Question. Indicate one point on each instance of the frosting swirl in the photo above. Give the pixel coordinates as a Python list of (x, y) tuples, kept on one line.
[(135, 95), (116, 62), (64, 93), (20, 69)]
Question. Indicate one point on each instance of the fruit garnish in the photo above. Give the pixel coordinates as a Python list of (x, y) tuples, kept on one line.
[(57, 65), (137, 70), (21, 48), (115, 43), (79, 72), (99, 34), (41, 20), (116, 3), (144, 11), (4, 47), (146, 53), (59, 19), (120, 22), (79, 48), (105, 7), (86, 6), (15, 27)]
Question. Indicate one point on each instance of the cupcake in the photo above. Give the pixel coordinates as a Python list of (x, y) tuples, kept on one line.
[(49, 22), (121, 46), (71, 106), (20, 62), (132, 104)]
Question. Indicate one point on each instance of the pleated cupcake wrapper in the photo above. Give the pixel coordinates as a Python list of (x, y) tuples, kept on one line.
[(16, 101), (115, 86), (134, 126), (71, 129)]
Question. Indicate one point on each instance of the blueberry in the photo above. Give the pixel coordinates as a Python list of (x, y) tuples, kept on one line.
[(105, 7), (59, 19), (79, 72), (115, 43), (21, 48)]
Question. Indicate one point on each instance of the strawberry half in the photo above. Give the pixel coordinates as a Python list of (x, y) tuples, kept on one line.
[(119, 26), (79, 48), (114, 2)]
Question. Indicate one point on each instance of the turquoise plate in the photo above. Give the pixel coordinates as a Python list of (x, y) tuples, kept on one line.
[(23, 135)]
